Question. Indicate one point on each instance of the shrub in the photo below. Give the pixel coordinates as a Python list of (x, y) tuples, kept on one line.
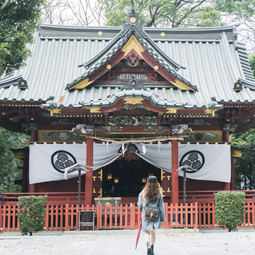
[(32, 210), (230, 208)]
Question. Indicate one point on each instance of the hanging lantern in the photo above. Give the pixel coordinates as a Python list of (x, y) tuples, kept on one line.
[(143, 180), (116, 180)]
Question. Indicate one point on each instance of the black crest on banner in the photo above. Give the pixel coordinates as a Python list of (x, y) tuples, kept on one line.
[(195, 159), (62, 159)]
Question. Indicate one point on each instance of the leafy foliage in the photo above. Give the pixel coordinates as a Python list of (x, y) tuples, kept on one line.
[(173, 13), (32, 211), (18, 21), (230, 208), (8, 162), (239, 8), (246, 172), (252, 62)]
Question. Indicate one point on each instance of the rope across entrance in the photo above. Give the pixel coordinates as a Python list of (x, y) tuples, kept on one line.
[(136, 140)]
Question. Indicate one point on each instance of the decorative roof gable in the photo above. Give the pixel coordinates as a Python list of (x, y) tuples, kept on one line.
[(132, 44)]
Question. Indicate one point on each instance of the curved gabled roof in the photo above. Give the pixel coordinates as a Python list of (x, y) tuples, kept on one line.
[(130, 28)]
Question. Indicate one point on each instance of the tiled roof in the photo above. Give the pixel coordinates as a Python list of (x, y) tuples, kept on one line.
[(214, 61)]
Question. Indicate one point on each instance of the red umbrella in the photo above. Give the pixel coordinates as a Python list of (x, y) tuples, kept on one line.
[(139, 231)]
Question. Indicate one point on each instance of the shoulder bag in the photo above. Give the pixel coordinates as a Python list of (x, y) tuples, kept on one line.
[(150, 213)]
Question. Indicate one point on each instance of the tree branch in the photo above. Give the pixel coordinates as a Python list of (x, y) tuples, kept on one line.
[(149, 24), (4, 5), (186, 15)]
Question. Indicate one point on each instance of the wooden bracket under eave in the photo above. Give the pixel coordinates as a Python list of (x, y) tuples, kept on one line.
[(172, 110), (54, 111), (237, 154), (94, 109), (211, 111), (19, 155)]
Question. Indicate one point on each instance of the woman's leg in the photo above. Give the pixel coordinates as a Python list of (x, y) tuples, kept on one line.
[(153, 236), (147, 240), (153, 240), (147, 237)]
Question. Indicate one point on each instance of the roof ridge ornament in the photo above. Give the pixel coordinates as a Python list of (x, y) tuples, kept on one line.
[(133, 18)]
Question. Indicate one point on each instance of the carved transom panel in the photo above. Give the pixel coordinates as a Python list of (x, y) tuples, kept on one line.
[(129, 120), (133, 107)]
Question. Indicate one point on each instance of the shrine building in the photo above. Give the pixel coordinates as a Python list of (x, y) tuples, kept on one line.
[(128, 102)]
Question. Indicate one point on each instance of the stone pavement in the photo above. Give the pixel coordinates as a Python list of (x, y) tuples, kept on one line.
[(125, 245), (111, 242), (103, 242), (122, 242)]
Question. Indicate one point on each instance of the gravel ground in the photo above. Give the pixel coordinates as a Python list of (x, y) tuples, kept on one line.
[(202, 243), (44, 245), (233, 243)]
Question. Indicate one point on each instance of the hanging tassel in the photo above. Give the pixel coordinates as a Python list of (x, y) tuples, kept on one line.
[(123, 148), (144, 149)]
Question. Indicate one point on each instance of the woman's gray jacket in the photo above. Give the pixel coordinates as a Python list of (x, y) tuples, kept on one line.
[(148, 225)]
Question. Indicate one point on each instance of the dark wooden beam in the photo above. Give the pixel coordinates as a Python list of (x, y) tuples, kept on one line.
[(17, 118)]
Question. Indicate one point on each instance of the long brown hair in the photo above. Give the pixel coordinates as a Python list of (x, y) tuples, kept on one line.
[(151, 189)]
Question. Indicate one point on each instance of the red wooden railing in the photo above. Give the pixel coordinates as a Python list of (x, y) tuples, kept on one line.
[(208, 196), (65, 217), (55, 198), (207, 219)]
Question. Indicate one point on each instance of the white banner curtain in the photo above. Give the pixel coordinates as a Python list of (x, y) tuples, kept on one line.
[(214, 159), (47, 162)]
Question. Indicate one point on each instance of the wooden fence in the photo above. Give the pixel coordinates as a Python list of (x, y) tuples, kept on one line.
[(206, 216), (63, 198), (65, 217)]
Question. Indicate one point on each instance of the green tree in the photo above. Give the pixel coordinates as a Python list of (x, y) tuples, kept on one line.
[(252, 62), (230, 209), (18, 21), (246, 172), (176, 13), (32, 212), (8, 162)]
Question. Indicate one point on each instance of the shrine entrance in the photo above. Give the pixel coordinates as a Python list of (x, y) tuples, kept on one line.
[(127, 177)]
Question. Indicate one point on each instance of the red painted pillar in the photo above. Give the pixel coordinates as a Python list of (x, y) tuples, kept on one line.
[(1, 220), (175, 177), (226, 136), (89, 175), (34, 135), (227, 186)]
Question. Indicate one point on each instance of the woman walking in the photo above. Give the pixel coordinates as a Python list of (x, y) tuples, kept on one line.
[(151, 196)]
